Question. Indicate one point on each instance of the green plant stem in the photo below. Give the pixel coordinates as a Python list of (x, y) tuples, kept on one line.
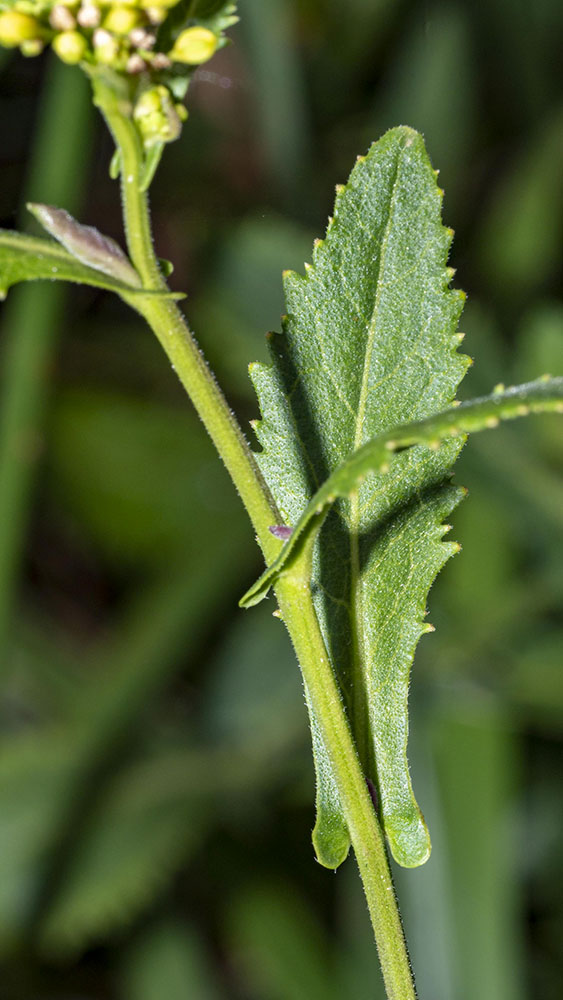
[(296, 606), (166, 320), (292, 589)]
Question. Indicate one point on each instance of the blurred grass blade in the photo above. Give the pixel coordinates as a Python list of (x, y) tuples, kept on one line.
[(521, 247), (478, 764), (31, 321), (279, 88), (141, 826), (168, 961), (157, 633), (357, 973), (280, 946)]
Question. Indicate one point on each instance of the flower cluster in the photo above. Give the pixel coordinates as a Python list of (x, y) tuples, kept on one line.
[(153, 42), (121, 35)]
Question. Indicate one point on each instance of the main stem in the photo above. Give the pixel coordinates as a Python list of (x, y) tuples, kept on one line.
[(293, 589)]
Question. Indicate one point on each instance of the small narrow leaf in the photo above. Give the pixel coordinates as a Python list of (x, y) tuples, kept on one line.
[(545, 395), (33, 258), (86, 243), (115, 165), (152, 159), (369, 342)]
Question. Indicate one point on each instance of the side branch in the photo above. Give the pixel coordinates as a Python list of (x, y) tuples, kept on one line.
[(545, 395)]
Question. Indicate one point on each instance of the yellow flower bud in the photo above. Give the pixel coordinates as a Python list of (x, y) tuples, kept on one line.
[(16, 28), (156, 15), (61, 18), (194, 46), (89, 16), (33, 47), (106, 46), (157, 117), (121, 20), (157, 3), (70, 46), (150, 101)]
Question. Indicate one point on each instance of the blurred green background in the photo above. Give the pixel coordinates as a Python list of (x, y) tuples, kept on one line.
[(156, 783)]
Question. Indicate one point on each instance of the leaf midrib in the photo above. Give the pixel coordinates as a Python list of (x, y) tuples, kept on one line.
[(359, 689)]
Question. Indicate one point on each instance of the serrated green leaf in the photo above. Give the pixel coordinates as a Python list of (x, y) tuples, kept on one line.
[(33, 258), (370, 343), (168, 959)]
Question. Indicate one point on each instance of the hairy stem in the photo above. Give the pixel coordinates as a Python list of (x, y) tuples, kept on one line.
[(297, 610), (293, 589)]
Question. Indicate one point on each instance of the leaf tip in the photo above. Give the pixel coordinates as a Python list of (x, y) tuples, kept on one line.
[(331, 839), (409, 838)]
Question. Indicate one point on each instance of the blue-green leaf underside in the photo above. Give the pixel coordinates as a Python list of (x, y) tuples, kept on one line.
[(370, 343), (34, 258)]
